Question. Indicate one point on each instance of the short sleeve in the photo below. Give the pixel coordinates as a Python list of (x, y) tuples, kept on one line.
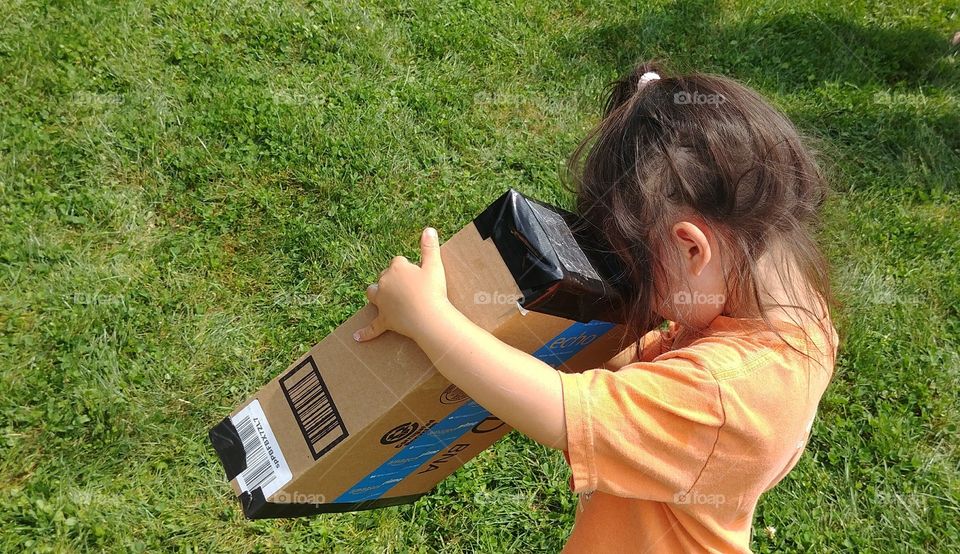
[(645, 431)]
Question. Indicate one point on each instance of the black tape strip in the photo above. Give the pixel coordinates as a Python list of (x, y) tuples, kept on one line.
[(255, 506), (226, 441), (559, 263), (522, 243)]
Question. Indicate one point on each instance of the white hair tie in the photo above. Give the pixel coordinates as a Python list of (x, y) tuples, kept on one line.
[(647, 77)]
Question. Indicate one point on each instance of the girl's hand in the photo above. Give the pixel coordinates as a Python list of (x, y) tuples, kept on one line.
[(406, 295), (412, 301)]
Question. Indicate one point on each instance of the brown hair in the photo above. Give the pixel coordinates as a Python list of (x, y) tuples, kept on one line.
[(703, 143)]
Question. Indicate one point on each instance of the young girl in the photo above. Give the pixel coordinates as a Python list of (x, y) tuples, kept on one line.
[(711, 200)]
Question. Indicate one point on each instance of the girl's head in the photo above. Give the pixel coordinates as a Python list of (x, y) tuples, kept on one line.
[(710, 198)]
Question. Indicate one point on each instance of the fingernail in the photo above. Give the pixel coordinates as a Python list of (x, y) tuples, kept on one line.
[(431, 232), (356, 336)]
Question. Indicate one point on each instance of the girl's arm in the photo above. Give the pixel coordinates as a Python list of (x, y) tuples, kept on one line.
[(513, 385), (519, 389), (625, 357)]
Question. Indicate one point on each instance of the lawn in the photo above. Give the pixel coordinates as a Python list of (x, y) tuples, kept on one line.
[(192, 193)]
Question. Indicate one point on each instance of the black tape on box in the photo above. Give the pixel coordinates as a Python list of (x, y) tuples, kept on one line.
[(255, 506), (226, 442), (560, 266)]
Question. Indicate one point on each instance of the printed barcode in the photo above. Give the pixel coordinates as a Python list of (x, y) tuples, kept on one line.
[(266, 467), (313, 408), (259, 470)]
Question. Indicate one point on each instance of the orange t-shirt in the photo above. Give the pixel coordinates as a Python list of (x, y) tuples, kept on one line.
[(673, 451)]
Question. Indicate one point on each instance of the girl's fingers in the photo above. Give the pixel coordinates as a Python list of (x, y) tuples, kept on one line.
[(372, 292), (372, 331)]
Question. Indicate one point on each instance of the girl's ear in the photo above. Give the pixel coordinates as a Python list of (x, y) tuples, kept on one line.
[(694, 247)]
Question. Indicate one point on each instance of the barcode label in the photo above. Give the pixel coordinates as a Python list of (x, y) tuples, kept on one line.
[(313, 408), (266, 467)]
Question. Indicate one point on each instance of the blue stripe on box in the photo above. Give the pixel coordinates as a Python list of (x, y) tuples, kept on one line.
[(441, 435), (417, 453), (573, 339)]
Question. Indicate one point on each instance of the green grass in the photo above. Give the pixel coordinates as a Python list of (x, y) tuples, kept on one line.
[(192, 193)]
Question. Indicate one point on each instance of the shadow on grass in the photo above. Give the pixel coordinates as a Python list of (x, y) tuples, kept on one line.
[(787, 51), (860, 81)]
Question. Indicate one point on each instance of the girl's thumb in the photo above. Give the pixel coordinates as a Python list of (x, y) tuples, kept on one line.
[(429, 248)]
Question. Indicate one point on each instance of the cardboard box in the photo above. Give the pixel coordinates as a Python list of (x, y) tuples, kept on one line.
[(352, 426)]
